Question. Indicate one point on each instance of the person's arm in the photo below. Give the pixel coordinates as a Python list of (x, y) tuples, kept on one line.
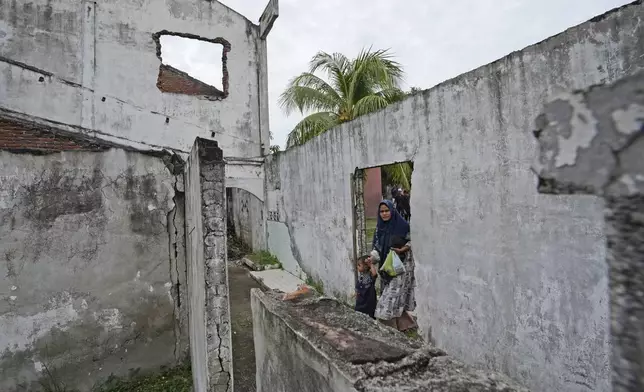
[(404, 249), (375, 256), (374, 270)]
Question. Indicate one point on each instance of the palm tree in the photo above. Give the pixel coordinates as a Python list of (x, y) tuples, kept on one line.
[(363, 85), (356, 87), (274, 148), (398, 174)]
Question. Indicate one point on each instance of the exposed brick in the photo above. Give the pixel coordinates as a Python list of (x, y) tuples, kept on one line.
[(18, 136), (171, 80)]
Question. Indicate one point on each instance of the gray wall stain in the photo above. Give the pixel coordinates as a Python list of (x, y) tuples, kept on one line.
[(507, 279), (85, 287)]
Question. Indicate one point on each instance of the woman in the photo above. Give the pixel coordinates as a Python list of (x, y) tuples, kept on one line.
[(398, 297)]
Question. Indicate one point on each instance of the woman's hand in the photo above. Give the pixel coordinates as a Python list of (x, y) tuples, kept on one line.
[(400, 250)]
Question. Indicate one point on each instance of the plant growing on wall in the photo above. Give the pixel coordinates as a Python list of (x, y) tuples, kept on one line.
[(355, 87), (274, 148)]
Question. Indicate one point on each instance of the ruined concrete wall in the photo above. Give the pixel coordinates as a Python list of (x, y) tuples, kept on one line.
[(279, 240), (210, 333), (248, 218), (93, 67), (507, 279), (320, 345), (91, 267), (602, 155)]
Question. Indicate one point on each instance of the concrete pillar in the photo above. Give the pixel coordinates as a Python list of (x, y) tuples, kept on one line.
[(592, 142), (363, 243), (210, 340)]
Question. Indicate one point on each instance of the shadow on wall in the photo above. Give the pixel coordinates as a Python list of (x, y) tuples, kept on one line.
[(246, 216)]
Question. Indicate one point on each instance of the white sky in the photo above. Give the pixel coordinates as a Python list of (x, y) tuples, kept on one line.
[(434, 40), (200, 59)]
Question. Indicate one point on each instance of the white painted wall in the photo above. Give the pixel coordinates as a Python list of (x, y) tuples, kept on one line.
[(99, 67), (248, 218), (88, 282), (507, 279)]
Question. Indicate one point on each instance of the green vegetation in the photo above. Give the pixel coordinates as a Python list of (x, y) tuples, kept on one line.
[(316, 284), (264, 257), (413, 334), (236, 247), (371, 229), (398, 174), (355, 87), (178, 379)]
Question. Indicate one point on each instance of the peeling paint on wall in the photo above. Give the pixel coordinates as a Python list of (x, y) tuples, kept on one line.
[(85, 263), (507, 279)]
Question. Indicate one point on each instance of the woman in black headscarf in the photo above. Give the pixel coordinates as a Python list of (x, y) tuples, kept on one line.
[(398, 294)]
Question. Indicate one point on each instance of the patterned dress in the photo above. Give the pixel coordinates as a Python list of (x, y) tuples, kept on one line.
[(399, 295)]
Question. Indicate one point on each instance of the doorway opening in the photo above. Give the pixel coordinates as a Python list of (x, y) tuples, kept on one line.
[(370, 187)]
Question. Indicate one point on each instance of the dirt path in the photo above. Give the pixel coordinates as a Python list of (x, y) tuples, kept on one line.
[(240, 283)]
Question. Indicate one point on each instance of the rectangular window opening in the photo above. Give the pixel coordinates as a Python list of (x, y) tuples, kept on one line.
[(192, 65)]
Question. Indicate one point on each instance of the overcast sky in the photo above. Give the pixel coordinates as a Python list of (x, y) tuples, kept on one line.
[(434, 40)]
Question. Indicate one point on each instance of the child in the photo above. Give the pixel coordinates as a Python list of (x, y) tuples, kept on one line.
[(366, 286)]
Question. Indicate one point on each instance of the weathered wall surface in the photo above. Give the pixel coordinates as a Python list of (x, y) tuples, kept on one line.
[(210, 333), (507, 279), (248, 218), (91, 266), (93, 66), (603, 156), (320, 345)]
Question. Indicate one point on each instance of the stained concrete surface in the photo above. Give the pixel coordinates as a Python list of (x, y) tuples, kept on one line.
[(241, 317), (88, 284), (277, 279), (122, 101), (319, 345), (592, 142), (507, 278), (210, 339)]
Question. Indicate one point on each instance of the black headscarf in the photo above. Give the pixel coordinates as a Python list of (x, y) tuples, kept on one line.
[(396, 226)]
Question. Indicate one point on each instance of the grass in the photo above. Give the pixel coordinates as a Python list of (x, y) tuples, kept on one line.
[(264, 257), (371, 228), (178, 379), (413, 334), (236, 247), (316, 284)]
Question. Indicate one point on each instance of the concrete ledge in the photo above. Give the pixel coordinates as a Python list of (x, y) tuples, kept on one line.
[(320, 345), (278, 280)]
